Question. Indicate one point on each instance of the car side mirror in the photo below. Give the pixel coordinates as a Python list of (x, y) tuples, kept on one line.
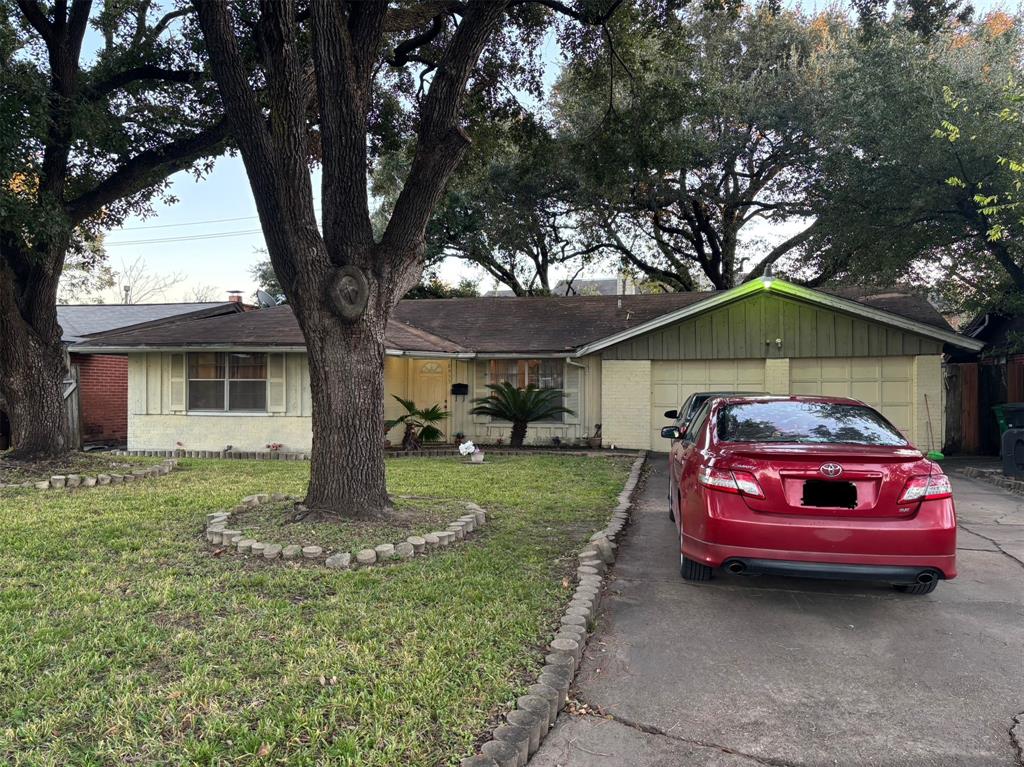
[(671, 414), (671, 432)]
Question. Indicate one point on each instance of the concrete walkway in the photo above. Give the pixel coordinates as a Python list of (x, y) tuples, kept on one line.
[(772, 671)]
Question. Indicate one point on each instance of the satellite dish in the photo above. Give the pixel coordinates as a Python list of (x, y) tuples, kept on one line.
[(265, 299)]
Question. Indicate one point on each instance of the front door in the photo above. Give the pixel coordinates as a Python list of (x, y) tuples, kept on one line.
[(430, 387)]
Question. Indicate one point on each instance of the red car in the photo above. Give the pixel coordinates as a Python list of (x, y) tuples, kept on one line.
[(808, 486)]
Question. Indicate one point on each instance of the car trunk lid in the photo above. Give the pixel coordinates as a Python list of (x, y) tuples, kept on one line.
[(827, 480)]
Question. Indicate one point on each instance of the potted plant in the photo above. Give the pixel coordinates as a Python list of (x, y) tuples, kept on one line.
[(595, 441), (520, 406), (476, 455), (419, 424)]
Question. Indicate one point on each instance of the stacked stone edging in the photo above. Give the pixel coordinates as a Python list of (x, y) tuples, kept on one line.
[(995, 477), (513, 743), (73, 481), (219, 533), (277, 455)]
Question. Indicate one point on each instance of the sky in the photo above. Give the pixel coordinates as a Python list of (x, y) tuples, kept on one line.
[(211, 237)]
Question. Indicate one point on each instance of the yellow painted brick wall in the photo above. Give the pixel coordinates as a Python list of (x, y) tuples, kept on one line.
[(776, 376), (215, 432), (927, 378), (626, 403)]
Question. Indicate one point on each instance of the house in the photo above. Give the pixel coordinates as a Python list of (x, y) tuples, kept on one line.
[(621, 361), (976, 382), (100, 381)]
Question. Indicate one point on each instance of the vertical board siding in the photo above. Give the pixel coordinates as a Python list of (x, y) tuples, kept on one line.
[(749, 328)]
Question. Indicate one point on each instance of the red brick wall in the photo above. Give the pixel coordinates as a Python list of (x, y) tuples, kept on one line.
[(102, 396)]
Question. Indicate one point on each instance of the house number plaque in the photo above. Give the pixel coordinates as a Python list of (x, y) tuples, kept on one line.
[(348, 292)]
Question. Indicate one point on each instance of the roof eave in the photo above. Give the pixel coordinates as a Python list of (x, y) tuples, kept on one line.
[(781, 287)]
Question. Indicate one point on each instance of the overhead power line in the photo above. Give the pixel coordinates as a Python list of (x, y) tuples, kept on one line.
[(184, 238)]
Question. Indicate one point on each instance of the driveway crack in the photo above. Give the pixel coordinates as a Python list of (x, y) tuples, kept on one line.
[(994, 542), (649, 729), (1017, 738)]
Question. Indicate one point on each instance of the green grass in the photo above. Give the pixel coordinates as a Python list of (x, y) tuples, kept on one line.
[(274, 522), (123, 641), (13, 472)]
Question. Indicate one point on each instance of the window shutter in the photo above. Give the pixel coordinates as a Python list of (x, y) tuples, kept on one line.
[(276, 402), (573, 383), (480, 368), (177, 391)]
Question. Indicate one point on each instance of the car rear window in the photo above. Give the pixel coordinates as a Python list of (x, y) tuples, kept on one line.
[(805, 422)]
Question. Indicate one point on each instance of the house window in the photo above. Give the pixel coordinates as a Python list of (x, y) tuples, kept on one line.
[(544, 374), (233, 381)]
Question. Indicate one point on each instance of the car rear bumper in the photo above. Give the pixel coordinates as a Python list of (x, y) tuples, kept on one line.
[(921, 541), (897, 568)]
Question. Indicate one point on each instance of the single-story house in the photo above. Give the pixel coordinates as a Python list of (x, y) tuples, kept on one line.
[(622, 361), (99, 382)]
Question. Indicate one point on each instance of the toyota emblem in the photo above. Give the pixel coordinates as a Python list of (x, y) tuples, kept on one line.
[(831, 469)]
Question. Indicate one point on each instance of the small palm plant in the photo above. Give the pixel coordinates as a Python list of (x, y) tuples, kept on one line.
[(419, 423), (520, 407)]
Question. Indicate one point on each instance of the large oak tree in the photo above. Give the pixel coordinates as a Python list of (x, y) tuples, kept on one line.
[(88, 136), (330, 80)]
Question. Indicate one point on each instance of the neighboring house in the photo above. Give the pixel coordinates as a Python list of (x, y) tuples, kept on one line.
[(621, 361), (102, 380), (978, 381)]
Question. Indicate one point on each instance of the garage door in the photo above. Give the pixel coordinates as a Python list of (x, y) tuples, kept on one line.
[(885, 383), (673, 382)]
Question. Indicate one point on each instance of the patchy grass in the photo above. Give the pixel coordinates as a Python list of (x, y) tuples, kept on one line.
[(275, 522), (15, 471), (125, 642)]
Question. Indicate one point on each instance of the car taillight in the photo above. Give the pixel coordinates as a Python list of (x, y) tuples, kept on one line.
[(926, 487), (740, 482)]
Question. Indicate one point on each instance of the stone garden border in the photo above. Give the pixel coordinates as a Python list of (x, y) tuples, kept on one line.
[(219, 533), (994, 477), (72, 481), (278, 455), (513, 743)]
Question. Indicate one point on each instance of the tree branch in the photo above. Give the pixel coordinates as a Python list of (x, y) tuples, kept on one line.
[(37, 19), (146, 169), (780, 250), (146, 72)]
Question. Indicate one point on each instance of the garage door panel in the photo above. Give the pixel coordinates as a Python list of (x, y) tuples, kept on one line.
[(885, 383), (866, 391), (673, 382)]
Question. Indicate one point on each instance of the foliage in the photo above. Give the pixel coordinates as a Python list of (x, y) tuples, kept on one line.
[(520, 407), (699, 128), (888, 173), (419, 423), (126, 641), (435, 287), (512, 209)]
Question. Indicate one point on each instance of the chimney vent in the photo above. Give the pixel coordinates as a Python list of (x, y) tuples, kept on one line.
[(235, 296)]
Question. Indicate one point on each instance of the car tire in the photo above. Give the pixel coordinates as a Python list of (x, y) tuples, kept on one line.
[(692, 570), (916, 588)]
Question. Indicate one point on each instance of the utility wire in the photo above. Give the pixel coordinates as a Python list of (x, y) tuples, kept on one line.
[(184, 238)]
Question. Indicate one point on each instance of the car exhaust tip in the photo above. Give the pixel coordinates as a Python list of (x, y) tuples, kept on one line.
[(736, 567), (925, 577)]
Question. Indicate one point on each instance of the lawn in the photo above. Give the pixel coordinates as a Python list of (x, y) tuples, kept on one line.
[(123, 641)]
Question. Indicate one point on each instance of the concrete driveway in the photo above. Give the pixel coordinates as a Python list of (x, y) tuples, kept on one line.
[(772, 671)]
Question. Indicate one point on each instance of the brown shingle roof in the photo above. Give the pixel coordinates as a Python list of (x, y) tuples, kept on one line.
[(484, 325)]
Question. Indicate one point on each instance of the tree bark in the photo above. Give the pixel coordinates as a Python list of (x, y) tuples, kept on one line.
[(518, 434), (32, 360), (346, 378)]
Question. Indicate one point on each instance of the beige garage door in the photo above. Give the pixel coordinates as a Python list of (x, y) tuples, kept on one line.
[(885, 383), (673, 382)]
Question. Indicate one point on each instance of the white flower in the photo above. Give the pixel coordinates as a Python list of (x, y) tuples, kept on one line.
[(466, 448)]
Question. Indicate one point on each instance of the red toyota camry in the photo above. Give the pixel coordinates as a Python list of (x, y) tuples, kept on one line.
[(818, 487)]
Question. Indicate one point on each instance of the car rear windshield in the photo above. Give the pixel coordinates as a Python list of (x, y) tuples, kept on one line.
[(805, 422)]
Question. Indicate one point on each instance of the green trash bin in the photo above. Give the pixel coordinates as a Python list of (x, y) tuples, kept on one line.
[(1009, 416)]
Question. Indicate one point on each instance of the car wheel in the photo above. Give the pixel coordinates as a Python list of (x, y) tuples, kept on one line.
[(916, 588), (693, 571)]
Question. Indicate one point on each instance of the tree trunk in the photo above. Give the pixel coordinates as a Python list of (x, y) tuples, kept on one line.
[(346, 378), (518, 434), (32, 360)]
